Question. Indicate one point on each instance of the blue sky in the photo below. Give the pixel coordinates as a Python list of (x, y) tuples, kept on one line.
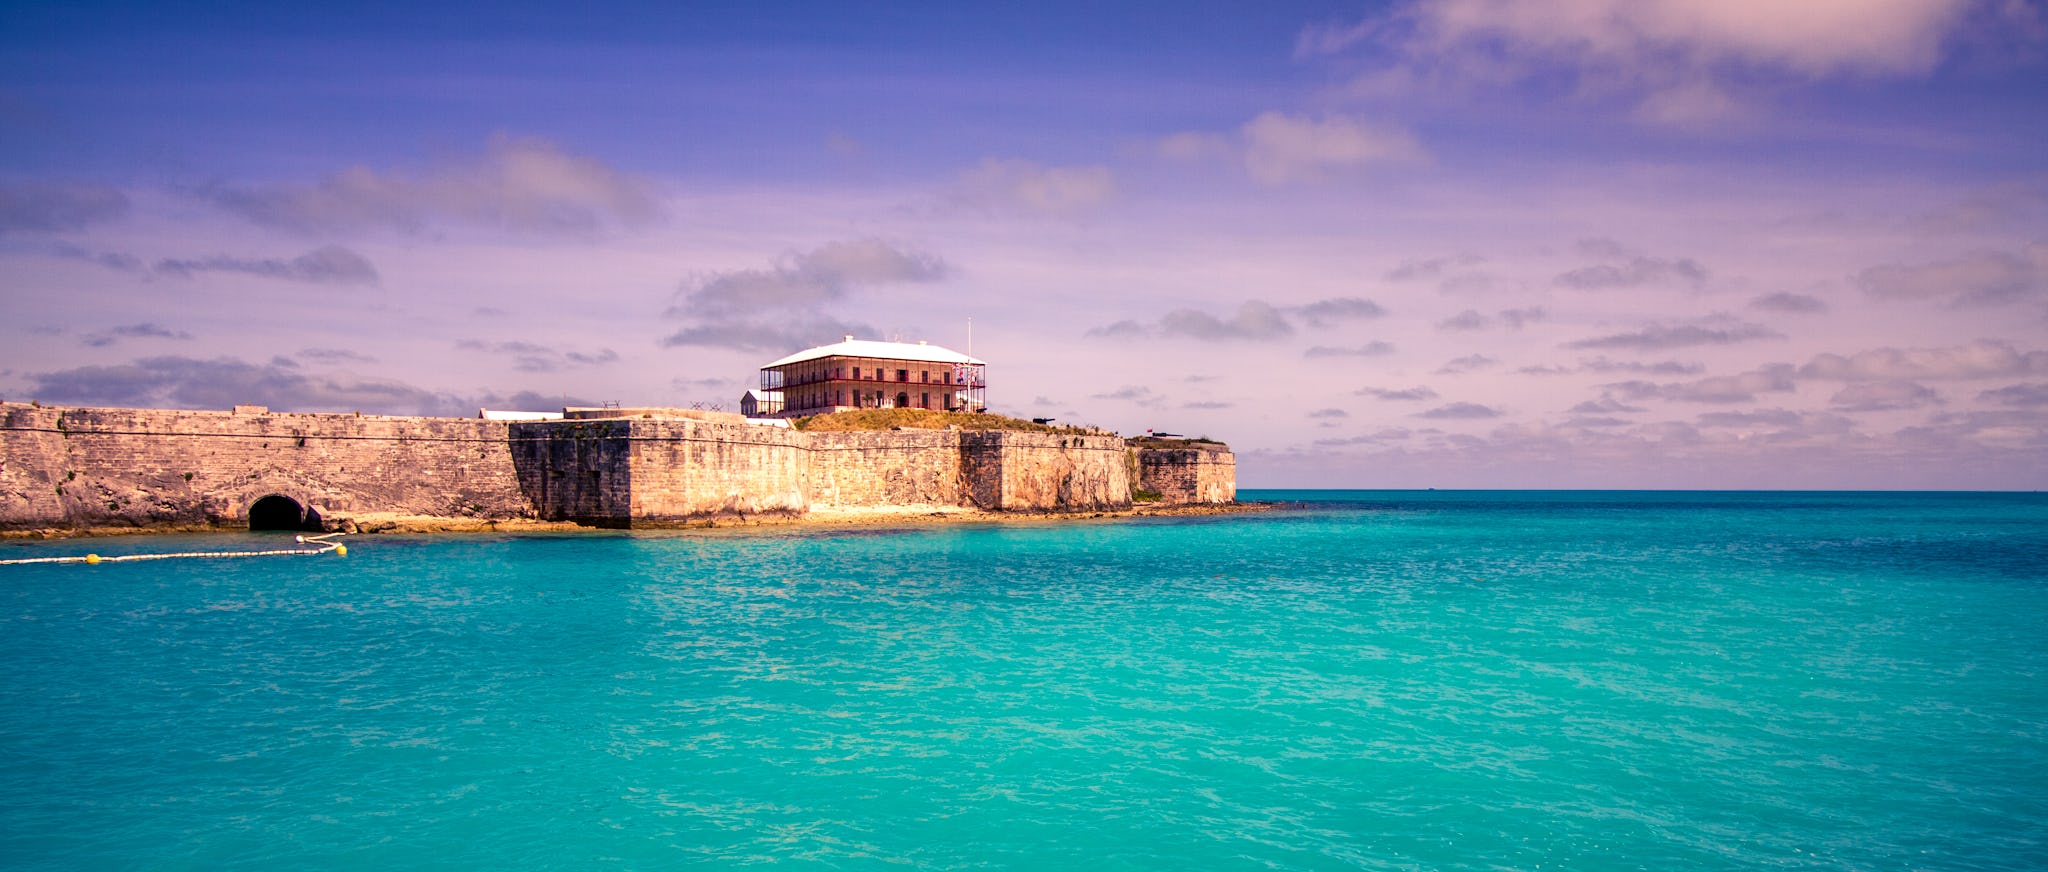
[(1450, 243)]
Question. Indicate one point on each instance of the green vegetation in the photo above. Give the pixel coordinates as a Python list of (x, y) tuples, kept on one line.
[(926, 419), (1141, 495), (1172, 441)]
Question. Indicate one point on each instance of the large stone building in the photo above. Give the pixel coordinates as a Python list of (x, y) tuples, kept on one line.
[(869, 374)]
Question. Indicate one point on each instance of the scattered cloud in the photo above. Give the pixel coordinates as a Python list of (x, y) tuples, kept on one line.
[(1031, 187), (335, 355), (1460, 412), (1671, 62), (54, 207), (1468, 363), (1374, 348), (1635, 272), (1135, 395), (524, 185), (806, 279), (2017, 202), (1606, 405), (533, 357), (330, 264), (145, 330), (1662, 367), (1325, 312), (1432, 268), (1415, 394), (1329, 413), (1790, 304), (221, 383), (113, 260), (1874, 396), (1743, 388), (528, 401), (1254, 320), (1281, 148), (777, 308), (1983, 358), (1657, 337), (1471, 319), (1977, 278), (1758, 418), (2034, 394)]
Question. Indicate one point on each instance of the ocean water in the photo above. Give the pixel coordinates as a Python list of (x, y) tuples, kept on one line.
[(1354, 680)]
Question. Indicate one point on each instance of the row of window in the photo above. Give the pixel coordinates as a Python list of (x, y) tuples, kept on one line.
[(868, 400), (873, 374)]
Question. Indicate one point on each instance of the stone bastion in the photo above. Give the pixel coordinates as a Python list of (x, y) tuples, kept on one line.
[(84, 468)]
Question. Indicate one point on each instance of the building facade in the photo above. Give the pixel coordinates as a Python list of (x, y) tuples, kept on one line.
[(871, 374)]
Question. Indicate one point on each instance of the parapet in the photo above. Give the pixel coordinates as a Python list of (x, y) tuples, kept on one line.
[(656, 413)]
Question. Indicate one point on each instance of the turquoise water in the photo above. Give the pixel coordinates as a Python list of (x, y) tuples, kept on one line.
[(1378, 680)]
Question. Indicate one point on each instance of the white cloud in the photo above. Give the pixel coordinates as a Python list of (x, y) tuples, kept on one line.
[(1021, 184), (1975, 278), (1679, 62), (1281, 148), (1873, 396), (526, 185), (777, 307), (330, 264), (1981, 359), (1713, 331)]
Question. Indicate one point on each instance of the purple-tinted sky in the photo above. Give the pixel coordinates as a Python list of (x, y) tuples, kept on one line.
[(1448, 243)]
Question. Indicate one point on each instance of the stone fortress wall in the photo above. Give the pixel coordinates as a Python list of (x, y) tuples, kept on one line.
[(103, 467)]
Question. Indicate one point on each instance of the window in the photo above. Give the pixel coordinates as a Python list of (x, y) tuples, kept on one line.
[(856, 373), (925, 376), (903, 375), (924, 401)]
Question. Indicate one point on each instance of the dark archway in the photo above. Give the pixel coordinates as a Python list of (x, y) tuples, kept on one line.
[(903, 401), (277, 512)]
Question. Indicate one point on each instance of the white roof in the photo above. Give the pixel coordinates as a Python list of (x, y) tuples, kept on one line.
[(851, 347)]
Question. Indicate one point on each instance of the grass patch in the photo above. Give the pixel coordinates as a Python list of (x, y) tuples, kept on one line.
[(925, 419), (1172, 442)]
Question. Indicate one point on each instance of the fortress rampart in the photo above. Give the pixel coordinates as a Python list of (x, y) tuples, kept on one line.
[(104, 467)]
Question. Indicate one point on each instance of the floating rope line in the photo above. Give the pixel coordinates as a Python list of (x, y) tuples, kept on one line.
[(324, 546)]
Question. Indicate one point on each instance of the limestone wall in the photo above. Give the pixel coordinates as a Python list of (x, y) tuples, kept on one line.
[(886, 468), (684, 469), (578, 471), (152, 467), (1040, 472), (1198, 473), (147, 467)]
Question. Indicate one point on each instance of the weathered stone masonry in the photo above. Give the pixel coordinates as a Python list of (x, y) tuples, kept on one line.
[(75, 468)]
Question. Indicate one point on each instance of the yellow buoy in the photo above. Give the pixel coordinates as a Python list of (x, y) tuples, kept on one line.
[(92, 558), (341, 550)]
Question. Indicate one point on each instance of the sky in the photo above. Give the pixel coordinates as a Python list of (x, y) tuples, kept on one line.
[(1424, 243)]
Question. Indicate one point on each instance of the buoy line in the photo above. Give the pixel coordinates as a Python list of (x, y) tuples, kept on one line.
[(323, 546)]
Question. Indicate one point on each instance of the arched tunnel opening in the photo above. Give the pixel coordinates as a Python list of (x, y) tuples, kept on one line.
[(280, 512)]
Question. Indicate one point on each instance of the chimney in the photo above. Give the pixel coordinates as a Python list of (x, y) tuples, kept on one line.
[(846, 337)]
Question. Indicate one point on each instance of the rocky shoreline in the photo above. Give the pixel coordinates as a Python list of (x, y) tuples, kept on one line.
[(866, 516)]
